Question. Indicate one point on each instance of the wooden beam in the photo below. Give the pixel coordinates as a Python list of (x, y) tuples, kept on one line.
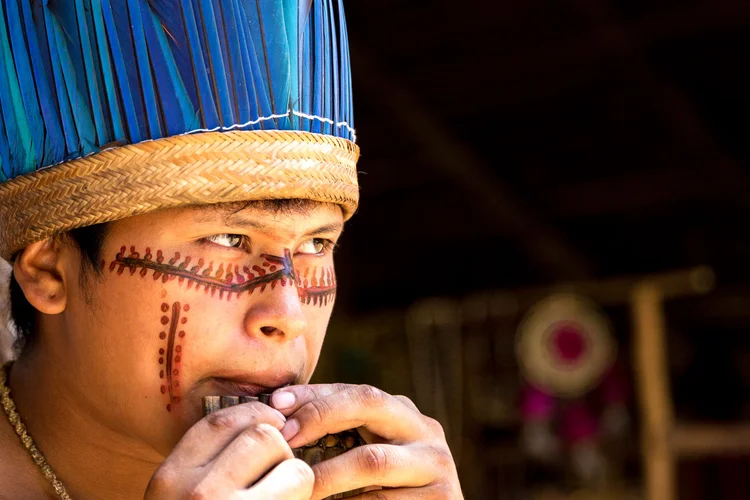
[(654, 401), (691, 440), (606, 292)]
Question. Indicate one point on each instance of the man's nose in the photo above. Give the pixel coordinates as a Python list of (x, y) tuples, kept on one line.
[(275, 314)]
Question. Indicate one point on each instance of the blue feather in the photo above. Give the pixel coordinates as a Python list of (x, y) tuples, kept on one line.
[(318, 74), (169, 14), (272, 48), (303, 56), (221, 29), (205, 91), (26, 80), (345, 83), (180, 114), (291, 20), (150, 104), (65, 14), (92, 74), (246, 57), (236, 62), (66, 113), (110, 87), (51, 129), (336, 113), (124, 59), (68, 91), (255, 75), (327, 63), (22, 154), (307, 71), (5, 168), (120, 13), (99, 74), (216, 62)]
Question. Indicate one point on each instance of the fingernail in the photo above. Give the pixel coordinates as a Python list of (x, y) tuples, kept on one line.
[(290, 429), (282, 400)]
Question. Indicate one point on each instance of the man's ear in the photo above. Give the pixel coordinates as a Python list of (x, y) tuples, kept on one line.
[(38, 271)]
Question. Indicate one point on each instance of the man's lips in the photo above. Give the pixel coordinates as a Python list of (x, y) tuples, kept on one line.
[(251, 385)]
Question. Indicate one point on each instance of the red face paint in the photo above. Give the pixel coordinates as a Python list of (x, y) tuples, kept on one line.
[(316, 286), (170, 356)]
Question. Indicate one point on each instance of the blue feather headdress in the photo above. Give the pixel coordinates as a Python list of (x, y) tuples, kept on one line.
[(85, 81)]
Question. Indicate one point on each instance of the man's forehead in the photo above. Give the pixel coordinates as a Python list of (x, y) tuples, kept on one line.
[(269, 215)]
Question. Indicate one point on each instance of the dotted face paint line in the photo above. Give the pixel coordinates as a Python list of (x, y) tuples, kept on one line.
[(170, 352)]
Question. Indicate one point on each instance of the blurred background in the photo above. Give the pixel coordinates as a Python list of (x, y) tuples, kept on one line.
[(550, 254)]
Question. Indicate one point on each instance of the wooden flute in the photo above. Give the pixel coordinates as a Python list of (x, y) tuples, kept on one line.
[(328, 446)]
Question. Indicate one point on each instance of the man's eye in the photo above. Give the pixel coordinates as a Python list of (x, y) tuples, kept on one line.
[(226, 240), (314, 246)]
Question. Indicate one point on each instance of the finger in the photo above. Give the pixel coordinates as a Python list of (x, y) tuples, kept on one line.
[(203, 442), (292, 479), (356, 406), (377, 465), (398, 494), (408, 402), (289, 399), (251, 454)]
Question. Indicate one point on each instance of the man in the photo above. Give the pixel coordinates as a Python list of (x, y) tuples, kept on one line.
[(178, 174)]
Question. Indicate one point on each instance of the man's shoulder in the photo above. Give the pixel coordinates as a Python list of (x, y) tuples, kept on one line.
[(18, 474)]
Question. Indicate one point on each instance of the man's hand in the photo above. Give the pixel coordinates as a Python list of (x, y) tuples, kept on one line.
[(227, 454), (406, 454)]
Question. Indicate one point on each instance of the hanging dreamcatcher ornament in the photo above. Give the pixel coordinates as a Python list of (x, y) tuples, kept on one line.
[(565, 345)]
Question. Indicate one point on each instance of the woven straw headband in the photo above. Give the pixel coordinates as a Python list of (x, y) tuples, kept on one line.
[(205, 168)]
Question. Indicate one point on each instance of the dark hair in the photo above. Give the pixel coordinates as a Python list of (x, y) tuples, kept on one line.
[(89, 241)]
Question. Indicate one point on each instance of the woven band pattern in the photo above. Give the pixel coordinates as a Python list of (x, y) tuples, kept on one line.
[(206, 168)]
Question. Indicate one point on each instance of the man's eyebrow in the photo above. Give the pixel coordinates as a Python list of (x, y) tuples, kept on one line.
[(333, 227), (231, 218)]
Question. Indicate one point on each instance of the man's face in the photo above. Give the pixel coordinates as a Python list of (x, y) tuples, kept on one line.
[(198, 302)]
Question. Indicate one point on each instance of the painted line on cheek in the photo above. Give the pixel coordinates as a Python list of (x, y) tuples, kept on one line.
[(171, 371), (170, 356)]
